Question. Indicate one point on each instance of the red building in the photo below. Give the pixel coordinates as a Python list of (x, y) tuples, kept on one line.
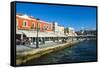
[(24, 22)]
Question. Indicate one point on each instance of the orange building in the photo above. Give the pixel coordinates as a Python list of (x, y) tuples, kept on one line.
[(24, 22)]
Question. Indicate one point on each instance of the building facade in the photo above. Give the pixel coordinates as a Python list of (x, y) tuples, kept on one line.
[(58, 30), (26, 30), (24, 22), (70, 31)]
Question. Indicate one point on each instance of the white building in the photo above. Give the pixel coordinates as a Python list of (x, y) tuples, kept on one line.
[(58, 30), (70, 31)]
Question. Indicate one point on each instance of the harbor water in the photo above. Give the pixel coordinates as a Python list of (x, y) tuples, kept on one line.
[(84, 51)]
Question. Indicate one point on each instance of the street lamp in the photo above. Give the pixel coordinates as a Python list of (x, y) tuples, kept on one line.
[(37, 39)]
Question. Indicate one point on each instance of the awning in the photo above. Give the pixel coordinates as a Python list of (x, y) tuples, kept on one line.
[(19, 32), (40, 34)]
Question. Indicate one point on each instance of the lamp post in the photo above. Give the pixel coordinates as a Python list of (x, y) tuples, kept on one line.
[(37, 41)]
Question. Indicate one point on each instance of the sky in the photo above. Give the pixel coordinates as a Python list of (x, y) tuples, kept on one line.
[(78, 17)]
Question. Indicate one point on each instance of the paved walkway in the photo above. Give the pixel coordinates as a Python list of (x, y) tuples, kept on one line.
[(21, 48)]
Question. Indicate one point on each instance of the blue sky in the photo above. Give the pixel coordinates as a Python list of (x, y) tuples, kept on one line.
[(67, 16)]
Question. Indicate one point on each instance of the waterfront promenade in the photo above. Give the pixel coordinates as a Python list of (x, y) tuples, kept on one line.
[(29, 53), (22, 48)]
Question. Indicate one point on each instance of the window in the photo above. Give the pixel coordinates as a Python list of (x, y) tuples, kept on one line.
[(32, 25), (39, 25), (17, 22), (25, 23), (47, 27), (44, 28)]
